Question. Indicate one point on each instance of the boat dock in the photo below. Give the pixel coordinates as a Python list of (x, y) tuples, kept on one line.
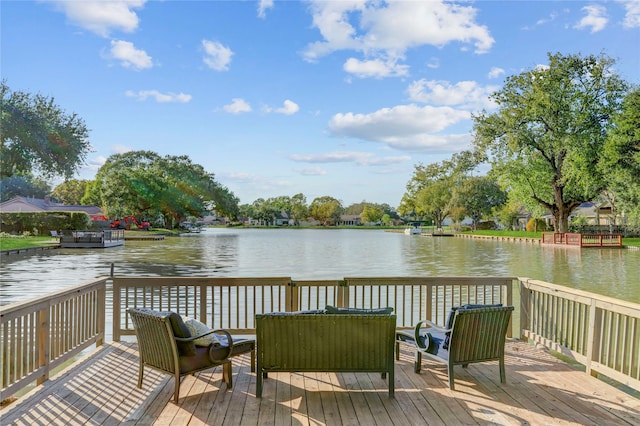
[(92, 239)]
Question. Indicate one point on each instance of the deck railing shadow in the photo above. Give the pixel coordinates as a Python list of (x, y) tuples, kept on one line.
[(41, 334)]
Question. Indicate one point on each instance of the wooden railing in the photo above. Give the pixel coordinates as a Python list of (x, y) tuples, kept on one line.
[(600, 332), (39, 335), (583, 240), (231, 303)]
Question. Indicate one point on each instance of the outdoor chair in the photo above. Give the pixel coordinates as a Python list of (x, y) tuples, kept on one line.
[(166, 344), (474, 333)]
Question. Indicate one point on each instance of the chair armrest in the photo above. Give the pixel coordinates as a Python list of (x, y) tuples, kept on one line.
[(428, 324), (218, 331)]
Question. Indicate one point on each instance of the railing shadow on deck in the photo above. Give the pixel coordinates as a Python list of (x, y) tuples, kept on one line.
[(40, 334)]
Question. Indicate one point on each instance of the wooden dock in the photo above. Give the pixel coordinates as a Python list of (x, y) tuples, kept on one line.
[(540, 390)]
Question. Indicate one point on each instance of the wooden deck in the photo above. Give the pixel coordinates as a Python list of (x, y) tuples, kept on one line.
[(540, 390)]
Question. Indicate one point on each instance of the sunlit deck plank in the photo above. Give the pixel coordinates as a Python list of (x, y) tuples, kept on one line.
[(539, 390)]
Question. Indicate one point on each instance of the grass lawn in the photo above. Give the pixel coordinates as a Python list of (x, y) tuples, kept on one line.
[(19, 242)]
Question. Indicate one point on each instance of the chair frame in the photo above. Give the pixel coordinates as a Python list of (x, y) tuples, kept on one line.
[(476, 335), (158, 348)]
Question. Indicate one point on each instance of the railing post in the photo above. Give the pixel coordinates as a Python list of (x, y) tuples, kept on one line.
[(343, 294), (291, 297), (115, 314), (593, 337), (525, 308), (44, 340)]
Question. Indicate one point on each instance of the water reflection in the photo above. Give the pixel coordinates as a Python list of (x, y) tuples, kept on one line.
[(324, 254)]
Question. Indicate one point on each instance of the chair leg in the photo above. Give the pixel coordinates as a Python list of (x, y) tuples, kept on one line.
[(176, 392), (227, 376), (253, 361), (417, 362), (397, 350), (452, 385), (140, 374), (259, 385), (503, 375)]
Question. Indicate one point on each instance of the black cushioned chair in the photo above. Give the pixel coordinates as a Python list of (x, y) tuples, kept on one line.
[(165, 344), (474, 333)]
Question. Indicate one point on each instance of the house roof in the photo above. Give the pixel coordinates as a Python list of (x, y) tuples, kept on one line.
[(26, 204)]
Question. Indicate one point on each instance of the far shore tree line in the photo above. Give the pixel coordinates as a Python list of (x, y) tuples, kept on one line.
[(562, 134)]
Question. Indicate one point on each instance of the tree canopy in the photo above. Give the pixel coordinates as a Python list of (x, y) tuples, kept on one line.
[(430, 192), (38, 136), (621, 160), (142, 183), (548, 134)]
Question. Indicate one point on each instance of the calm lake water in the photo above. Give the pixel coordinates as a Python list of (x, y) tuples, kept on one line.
[(323, 254)]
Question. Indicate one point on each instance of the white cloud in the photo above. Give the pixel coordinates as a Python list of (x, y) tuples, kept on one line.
[(386, 30), (357, 157), (495, 72), (632, 17), (405, 127), (288, 108), (129, 56), (375, 68), (142, 95), (263, 5), (595, 19), (216, 56), (237, 106), (468, 95), (311, 171), (102, 17)]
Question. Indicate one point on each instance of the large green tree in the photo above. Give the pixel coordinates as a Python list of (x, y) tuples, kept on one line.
[(326, 209), (479, 196), (71, 191), (23, 185), (548, 134), (142, 183), (38, 137), (621, 159), (430, 190)]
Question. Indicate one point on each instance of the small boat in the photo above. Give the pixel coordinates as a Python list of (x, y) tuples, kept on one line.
[(413, 230)]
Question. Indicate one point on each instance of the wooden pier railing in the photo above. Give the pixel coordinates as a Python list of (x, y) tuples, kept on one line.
[(232, 303), (582, 240), (599, 332), (40, 334)]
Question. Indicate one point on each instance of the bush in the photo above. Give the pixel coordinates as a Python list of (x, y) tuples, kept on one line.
[(43, 222), (536, 225)]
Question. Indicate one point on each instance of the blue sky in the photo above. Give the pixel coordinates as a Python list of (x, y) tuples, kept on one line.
[(338, 98)]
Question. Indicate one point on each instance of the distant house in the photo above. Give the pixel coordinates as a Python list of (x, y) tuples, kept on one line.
[(350, 220), (31, 205)]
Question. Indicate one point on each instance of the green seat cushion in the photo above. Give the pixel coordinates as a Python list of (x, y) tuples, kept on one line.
[(358, 311)]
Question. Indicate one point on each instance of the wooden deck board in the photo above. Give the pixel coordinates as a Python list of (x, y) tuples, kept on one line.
[(540, 389)]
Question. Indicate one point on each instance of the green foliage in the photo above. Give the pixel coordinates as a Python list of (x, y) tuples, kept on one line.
[(430, 191), (40, 223), (621, 159), (536, 225), (371, 214), (326, 210), (548, 134), (479, 196), (23, 185), (70, 192), (143, 184), (36, 135)]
